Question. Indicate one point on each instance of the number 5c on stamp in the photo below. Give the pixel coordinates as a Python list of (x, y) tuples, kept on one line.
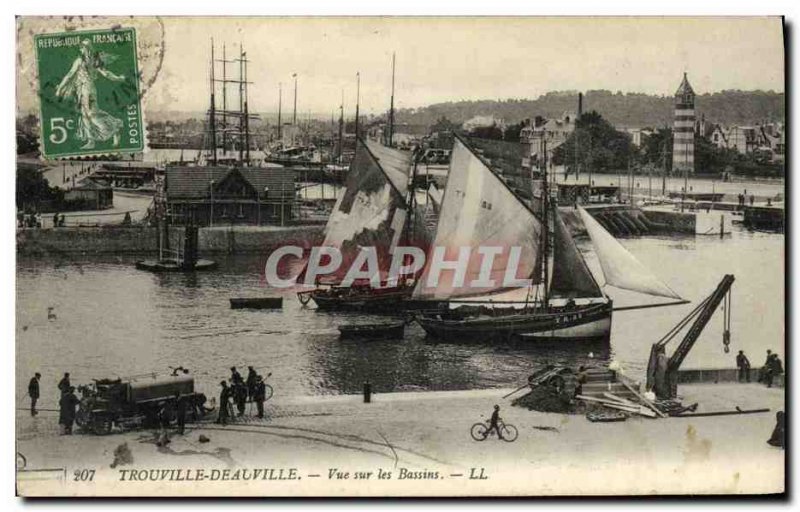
[(89, 93)]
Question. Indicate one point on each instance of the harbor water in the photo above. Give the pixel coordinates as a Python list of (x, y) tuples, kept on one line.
[(109, 319)]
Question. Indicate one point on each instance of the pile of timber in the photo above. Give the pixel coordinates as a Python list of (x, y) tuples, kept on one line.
[(602, 380), (607, 389)]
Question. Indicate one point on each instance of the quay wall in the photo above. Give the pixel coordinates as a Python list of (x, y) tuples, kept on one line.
[(656, 221), (718, 375), (144, 239), (676, 222)]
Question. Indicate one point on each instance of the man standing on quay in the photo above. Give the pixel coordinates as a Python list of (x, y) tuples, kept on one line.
[(33, 392)]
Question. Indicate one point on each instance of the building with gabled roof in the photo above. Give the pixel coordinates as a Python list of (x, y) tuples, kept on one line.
[(89, 195), (212, 196)]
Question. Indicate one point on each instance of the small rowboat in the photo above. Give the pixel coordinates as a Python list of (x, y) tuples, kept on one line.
[(382, 330), (606, 416), (257, 303), (171, 265)]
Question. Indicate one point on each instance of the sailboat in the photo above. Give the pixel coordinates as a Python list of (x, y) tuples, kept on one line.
[(374, 210), (479, 209)]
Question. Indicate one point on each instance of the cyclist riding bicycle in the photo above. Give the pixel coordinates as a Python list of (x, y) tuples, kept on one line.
[(493, 422)]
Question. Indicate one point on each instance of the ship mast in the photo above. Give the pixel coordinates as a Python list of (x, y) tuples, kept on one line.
[(241, 103), (212, 114), (242, 134), (545, 223), (391, 109), (280, 104), (358, 99), (341, 128), (224, 102)]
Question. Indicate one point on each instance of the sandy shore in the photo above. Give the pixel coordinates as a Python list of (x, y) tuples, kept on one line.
[(420, 444)]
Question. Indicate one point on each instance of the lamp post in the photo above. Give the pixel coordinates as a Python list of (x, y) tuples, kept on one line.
[(211, 213), (266, 192), (282, 190)]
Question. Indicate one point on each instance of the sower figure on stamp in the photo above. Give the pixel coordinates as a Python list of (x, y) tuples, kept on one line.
[(67, 405), (94, 124), (33, 392)]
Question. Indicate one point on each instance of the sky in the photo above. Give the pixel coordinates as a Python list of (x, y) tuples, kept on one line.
[(452, 59)]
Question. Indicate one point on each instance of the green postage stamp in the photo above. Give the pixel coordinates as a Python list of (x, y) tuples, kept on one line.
[(89, 93)]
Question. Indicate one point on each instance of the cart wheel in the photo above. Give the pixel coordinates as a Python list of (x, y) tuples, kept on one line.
[(102, 426), (267, 392)]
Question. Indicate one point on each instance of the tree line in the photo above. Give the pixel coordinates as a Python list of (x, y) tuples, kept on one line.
[(632, 110)]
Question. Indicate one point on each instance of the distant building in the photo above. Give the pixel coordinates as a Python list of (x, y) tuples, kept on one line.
[(89, 195), (230, 195), (683, 129), (483, 121), (773, 141), (743, 139), (768, 140), (638, 135), (719, 136), (534, 134)]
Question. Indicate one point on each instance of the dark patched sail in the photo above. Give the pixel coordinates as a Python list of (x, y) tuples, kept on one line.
[(571, 277), (371, 212)]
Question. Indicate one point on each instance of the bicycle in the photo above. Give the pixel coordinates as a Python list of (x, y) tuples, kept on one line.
[(480, 431)]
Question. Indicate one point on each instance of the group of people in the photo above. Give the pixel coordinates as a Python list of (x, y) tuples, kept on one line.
[(772, 367), (34, 220), (177, 408), (67, 401), (239, 392), (29, 220), (743, 197)]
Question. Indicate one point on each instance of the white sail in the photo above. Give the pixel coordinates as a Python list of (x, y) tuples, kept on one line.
[(620, 267), (478, 211), (435, 195)]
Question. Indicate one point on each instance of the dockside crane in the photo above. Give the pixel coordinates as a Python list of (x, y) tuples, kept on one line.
[(662, 371)]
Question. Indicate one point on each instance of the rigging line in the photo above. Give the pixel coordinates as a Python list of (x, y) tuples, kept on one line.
[(671, 334)]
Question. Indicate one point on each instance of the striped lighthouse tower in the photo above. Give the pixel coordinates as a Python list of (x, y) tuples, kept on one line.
[(683, 130)]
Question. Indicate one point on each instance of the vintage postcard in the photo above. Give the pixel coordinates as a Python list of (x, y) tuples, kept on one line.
[(400, 256)]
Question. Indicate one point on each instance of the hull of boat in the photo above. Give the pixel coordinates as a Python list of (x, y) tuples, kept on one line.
[(386, 302), (359, 301), (373, 331), (592, 330), (582, 323), (167, 265), (257, 303)]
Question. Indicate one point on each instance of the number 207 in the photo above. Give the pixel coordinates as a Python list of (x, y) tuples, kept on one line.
[(83, 475)]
